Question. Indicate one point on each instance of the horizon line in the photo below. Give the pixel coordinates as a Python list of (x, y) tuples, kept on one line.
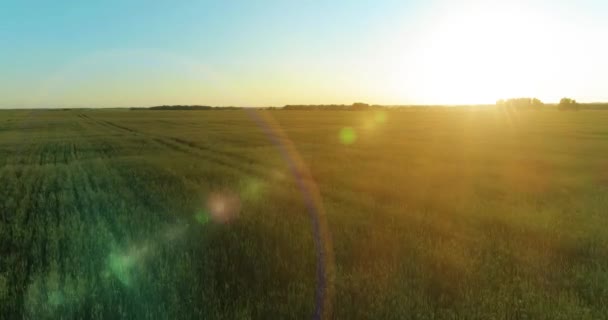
[(282, 106)]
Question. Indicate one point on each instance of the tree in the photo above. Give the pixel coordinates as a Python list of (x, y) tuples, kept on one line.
[(568, 104), (536, 103), (360, 106), (524, 103)]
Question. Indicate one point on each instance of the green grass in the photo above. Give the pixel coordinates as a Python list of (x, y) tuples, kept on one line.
[(432, 214)]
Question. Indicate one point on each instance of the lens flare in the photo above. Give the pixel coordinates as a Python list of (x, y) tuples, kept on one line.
[(47, 296), (224, 207), (202, 217), (123, 264), (324, 290), (373, 121), (380, 117), (348, 136)]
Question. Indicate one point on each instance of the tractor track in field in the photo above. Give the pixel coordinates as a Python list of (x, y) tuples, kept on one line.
[(47, 177), (71, 184), (192, 149), (22, 125), (183, 146)]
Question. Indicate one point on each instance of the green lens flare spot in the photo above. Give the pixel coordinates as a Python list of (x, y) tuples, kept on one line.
[(348, 136), (380, 117), (202, 217), (121, 267)]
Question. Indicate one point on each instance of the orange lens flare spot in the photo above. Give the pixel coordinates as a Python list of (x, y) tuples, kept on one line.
[(224, 207)]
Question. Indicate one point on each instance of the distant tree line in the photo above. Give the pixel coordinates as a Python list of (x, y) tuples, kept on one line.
[(354, 106), (568, 104), (564, 104), (520, 103), (181, 107), (516, 103), (187, 107)]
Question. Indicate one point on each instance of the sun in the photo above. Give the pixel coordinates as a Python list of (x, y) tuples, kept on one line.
[(479, 53)]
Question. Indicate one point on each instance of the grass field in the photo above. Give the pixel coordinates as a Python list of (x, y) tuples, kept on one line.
[(431, 214)]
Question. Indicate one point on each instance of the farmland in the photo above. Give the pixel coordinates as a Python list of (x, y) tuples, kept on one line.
[(426, 214)]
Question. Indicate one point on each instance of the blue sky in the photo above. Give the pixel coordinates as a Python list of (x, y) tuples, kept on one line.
[(139, 53)]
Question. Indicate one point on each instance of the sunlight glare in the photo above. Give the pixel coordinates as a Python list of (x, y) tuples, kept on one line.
[(480, 52)]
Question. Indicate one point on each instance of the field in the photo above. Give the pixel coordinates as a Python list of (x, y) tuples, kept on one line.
[(421, 214)]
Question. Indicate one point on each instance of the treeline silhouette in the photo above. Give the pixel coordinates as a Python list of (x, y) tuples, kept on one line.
[(181, 107), (568, 104), (564, 104), (520, 103), (187, 107), (515, 103), (354, 106)]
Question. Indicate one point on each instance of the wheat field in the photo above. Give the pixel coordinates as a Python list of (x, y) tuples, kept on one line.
[(424, 214)]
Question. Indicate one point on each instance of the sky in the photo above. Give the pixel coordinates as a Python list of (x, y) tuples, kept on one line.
[(121, 53)]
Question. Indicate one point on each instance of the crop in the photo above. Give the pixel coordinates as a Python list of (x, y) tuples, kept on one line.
[(431, 214)]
